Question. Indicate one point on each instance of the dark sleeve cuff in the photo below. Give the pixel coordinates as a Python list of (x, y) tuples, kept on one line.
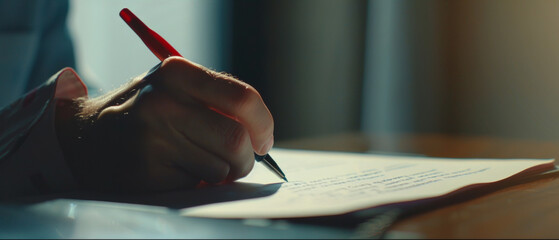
[(31, 160)]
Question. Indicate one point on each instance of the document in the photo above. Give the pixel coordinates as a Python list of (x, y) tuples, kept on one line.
[(333, 183)]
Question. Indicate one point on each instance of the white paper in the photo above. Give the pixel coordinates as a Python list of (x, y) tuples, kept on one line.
[(330, 183)]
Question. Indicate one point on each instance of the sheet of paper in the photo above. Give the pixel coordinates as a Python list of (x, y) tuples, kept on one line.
[(331, 183)]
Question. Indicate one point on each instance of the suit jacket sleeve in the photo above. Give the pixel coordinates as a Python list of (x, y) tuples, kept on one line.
[(31, 160)]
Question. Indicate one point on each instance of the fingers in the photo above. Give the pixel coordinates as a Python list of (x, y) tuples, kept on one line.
[(239, 101), (208, 145), (226, 139), (195, 122), (197, 161), (163, 171)]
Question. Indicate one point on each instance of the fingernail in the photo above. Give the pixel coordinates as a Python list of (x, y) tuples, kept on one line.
[(267, 146)]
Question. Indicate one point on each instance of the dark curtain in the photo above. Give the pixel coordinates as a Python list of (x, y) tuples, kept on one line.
[(306, 60)]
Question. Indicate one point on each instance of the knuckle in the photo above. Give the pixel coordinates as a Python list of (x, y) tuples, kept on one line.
[(171, 69), (244, 98), (173, 63), (176, 66), (235, 138)]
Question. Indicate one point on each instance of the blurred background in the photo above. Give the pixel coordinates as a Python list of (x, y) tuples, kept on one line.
[(329, 66)]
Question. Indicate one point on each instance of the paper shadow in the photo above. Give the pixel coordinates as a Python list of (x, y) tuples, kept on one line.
[(210, 194), (176, 199)]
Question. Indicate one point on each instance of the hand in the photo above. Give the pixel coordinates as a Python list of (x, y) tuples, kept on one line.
[(190, 124)]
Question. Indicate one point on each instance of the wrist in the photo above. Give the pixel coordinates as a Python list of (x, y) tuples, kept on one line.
[(82, 129), (70, 128)]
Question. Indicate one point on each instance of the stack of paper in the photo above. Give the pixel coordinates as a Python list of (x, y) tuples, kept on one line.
[(332, 183)]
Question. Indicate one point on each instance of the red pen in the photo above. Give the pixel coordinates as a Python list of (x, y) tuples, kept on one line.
[(162, 50), (158, 46)]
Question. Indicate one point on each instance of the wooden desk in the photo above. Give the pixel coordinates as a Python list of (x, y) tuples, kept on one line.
[(526, 210), (529, 209)]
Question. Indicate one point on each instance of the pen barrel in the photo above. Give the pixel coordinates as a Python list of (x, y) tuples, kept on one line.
[(156, 44)]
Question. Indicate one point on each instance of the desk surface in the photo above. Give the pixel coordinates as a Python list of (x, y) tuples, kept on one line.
[(526, 210)]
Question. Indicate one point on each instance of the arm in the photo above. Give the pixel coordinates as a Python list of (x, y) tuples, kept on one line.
[(190, 125), (31, 160)]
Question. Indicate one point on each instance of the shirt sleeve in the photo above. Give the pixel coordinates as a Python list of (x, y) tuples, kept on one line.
[(31, 159)]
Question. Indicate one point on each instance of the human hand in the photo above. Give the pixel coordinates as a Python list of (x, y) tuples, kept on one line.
[(189, 124)]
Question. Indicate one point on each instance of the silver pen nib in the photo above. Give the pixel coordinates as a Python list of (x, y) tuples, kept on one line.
[(270, 164)]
